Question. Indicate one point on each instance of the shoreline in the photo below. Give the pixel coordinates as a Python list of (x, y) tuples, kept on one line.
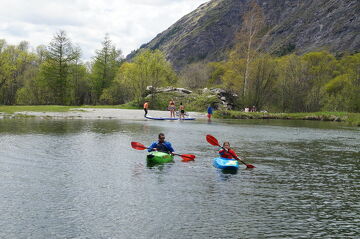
[(349, 118), (117, 112), (94, 113)]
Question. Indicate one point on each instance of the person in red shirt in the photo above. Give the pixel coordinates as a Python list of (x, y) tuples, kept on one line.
[(227, 152)]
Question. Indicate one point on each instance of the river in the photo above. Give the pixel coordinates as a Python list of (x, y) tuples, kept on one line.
[(82, 179)]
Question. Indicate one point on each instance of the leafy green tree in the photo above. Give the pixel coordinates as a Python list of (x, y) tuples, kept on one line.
[(105, 66), (55, 69), (217, 71), (320, 68), (351, 65), (15, 63), (290, 88), (343, 92), (261, 81), (77, 83), (149, 68)]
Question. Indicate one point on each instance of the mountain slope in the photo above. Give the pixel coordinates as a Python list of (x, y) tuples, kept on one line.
[(294, 25)]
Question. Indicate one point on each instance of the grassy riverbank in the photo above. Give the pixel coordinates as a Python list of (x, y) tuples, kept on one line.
[(11, 109), (351, 118)]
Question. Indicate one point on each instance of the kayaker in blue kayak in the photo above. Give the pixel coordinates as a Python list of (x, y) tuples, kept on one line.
[(161, 145), (227, 152)]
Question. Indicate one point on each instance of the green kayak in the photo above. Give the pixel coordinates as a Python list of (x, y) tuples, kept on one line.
[(159, 157)]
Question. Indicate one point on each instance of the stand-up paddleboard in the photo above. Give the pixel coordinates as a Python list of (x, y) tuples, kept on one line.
[(154, 118)]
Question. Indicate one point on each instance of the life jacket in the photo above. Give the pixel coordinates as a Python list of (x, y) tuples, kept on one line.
[(227, 154), (162, 147), (146, 105)]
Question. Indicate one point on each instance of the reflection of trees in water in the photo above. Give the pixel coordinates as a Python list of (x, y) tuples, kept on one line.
[(113, 126), (42, 126)]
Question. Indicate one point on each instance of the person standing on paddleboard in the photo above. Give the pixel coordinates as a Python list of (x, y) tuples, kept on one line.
[(172, 108), (146, 107), (161, 145), (227, 152), (182, 111)]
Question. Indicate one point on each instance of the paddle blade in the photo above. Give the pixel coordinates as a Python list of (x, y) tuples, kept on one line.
[(138, 146), (250, 166), (212, 140), (187, 157)]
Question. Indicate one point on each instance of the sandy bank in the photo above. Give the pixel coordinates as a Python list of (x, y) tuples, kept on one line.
[(96, 113)]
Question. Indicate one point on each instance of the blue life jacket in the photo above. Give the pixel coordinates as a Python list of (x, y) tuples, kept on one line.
[(161, 147)]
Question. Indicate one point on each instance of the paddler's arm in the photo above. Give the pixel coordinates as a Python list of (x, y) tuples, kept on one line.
[(222, 152), (170, 148), (232, 152), (152, 147)]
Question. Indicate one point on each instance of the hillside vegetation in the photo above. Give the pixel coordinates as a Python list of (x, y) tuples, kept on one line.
[(287, 82)]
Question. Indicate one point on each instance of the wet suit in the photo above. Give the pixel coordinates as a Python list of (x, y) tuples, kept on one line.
[(161, 147)]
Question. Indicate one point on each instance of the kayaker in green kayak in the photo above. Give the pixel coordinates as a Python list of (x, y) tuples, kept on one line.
[(161, 145)]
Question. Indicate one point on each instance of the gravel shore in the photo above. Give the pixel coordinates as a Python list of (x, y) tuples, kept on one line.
[(96, 113)]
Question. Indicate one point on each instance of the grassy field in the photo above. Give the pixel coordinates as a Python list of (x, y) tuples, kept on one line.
[(351, 118), (10, 109)]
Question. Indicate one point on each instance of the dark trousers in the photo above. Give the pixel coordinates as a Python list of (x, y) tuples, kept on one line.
[(145, 111)]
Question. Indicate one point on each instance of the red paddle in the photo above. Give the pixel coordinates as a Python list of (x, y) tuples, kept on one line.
[(185, 157), (213, 141)]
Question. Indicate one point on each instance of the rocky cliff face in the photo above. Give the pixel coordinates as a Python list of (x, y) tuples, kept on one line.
[(294, 26)]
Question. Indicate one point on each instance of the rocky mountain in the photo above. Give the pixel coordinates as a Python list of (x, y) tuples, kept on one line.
[(293, 26)]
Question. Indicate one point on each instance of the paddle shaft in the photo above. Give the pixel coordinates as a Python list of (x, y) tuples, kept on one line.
[(140, 146)]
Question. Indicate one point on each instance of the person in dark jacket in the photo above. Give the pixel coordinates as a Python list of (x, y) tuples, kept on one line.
[(210, 112), (161, 145)]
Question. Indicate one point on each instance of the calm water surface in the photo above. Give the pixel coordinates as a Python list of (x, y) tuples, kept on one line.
[(81, 179)]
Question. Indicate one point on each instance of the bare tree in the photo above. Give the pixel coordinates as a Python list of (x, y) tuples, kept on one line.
[(249, 37), (195, 75)]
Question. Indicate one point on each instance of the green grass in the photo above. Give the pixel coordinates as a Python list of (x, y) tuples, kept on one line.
[(351, 118), (128, 106), (11, 109)]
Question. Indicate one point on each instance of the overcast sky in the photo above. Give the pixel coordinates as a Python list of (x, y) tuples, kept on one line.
[(130, 23)]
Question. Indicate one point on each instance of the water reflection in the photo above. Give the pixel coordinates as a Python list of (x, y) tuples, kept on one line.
[(226, 174)]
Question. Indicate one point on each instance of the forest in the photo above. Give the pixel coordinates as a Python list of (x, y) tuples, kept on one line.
[(55, 75)]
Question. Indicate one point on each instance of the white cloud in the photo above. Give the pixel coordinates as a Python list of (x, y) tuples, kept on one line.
[(129, 23)]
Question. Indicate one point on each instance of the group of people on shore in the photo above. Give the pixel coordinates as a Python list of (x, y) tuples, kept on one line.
[(171, 108), (250, 109)]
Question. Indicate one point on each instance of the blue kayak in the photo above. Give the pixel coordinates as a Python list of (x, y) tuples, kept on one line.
[(154, 118), (226, 164)]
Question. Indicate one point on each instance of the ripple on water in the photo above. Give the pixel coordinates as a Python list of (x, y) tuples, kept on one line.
[(81, 179)]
